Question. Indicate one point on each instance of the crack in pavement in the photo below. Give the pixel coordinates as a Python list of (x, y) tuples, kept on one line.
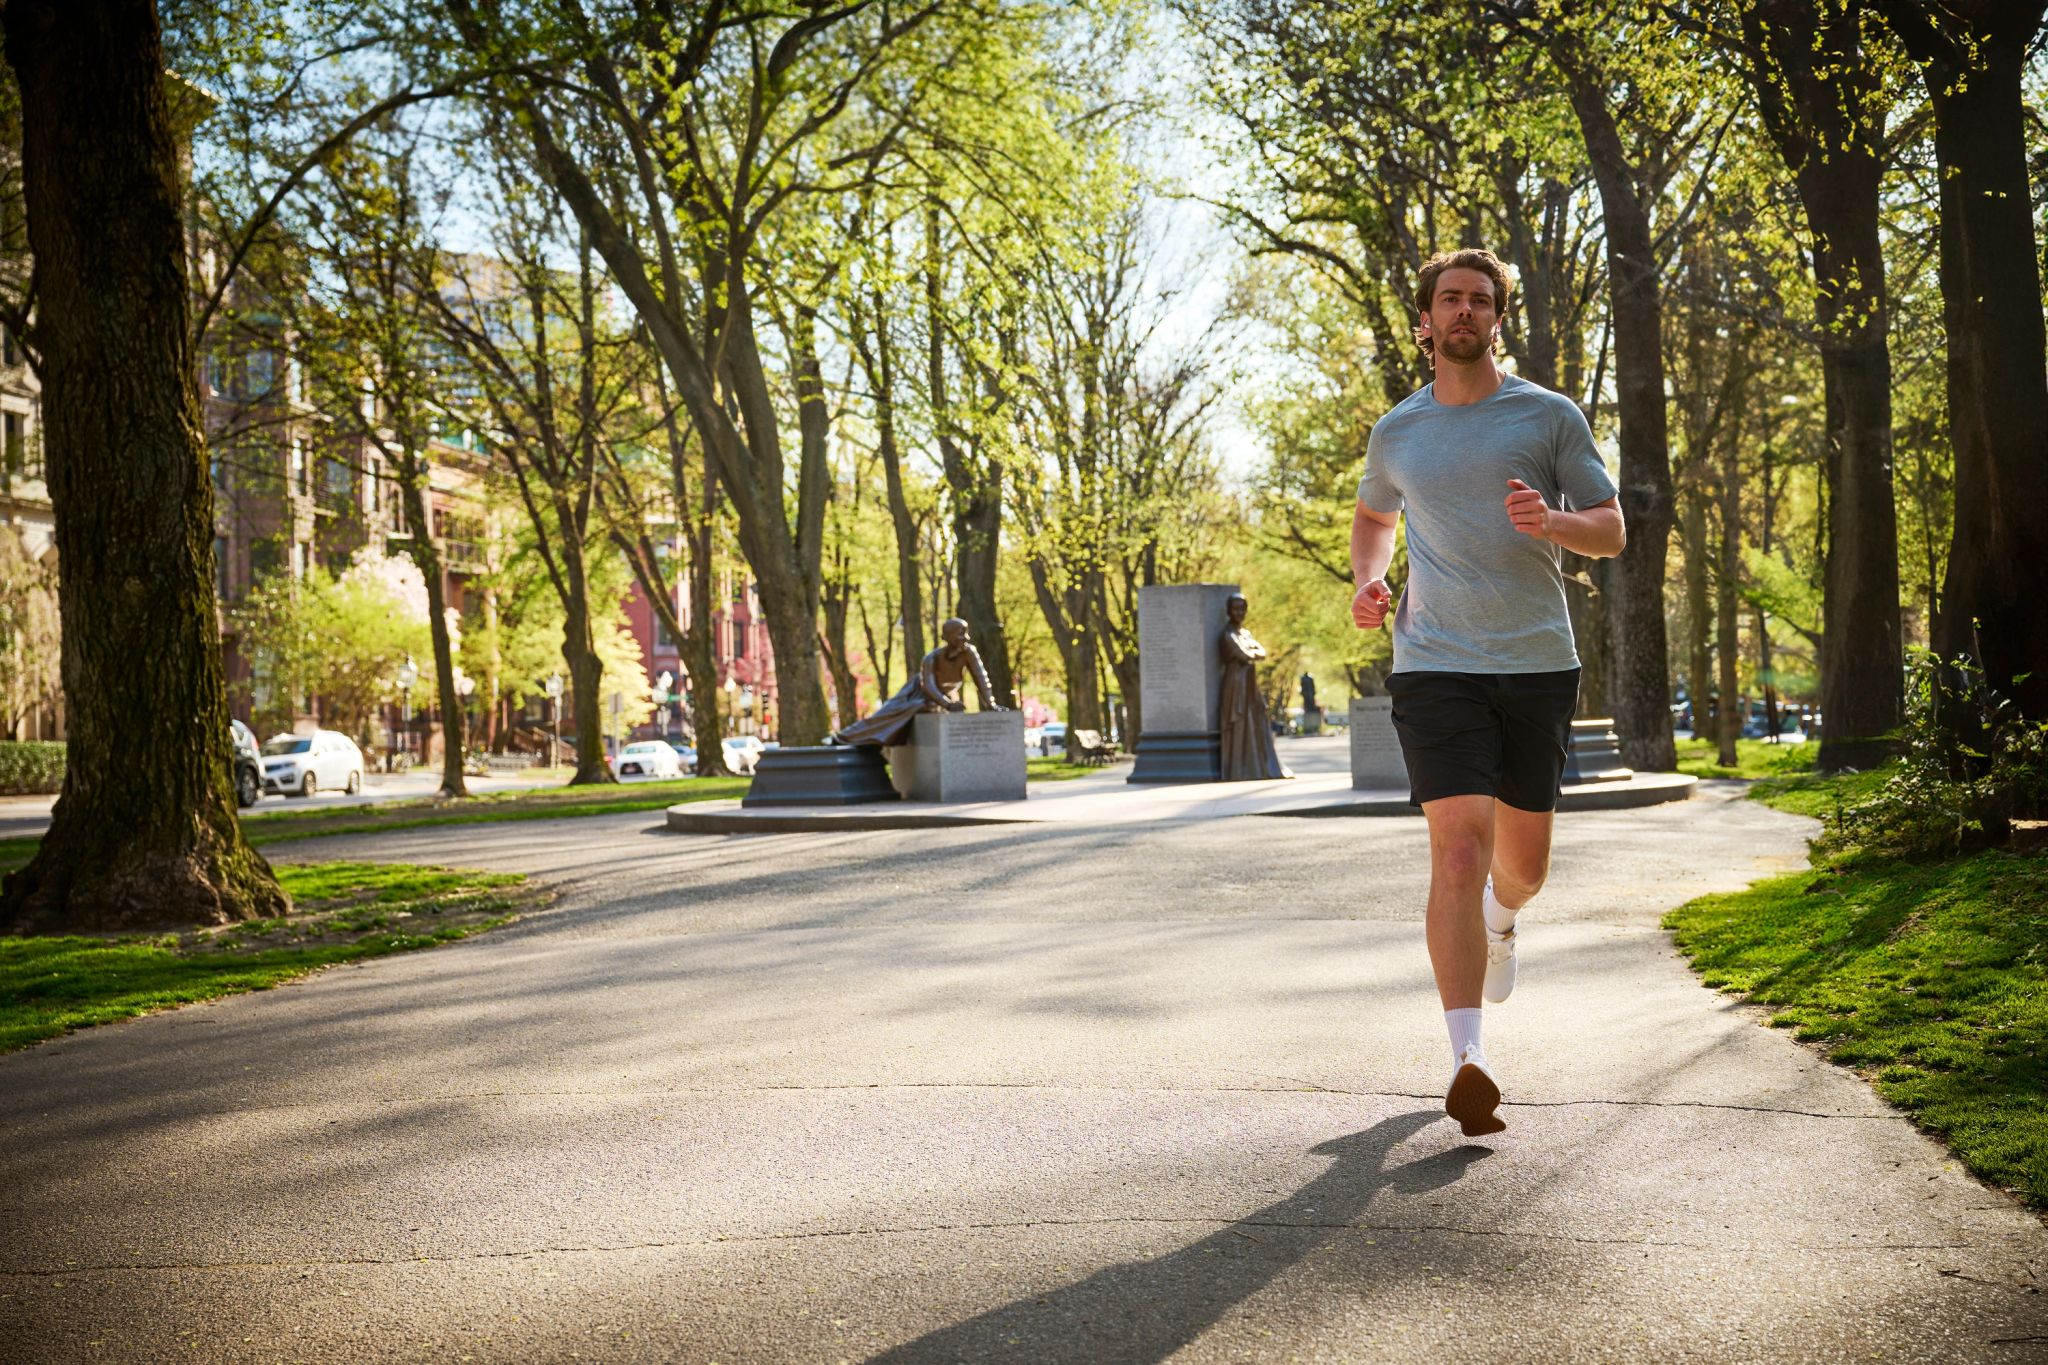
[(1295, 1087), (725, 1239)]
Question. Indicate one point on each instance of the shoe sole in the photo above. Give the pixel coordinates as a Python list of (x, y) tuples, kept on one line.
[(1472, 1102)]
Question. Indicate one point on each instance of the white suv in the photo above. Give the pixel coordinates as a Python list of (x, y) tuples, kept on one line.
[(299, 765)]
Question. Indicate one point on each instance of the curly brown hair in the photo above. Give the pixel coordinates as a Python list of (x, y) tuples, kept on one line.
[(1465, 258)]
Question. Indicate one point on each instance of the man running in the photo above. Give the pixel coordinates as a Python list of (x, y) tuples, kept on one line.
[(1495, 475)]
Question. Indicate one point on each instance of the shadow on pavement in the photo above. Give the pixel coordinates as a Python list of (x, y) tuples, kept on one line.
[(1147, 1310)]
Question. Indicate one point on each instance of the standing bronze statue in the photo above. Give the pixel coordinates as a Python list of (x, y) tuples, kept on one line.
[(1248, 753), (936, 686)]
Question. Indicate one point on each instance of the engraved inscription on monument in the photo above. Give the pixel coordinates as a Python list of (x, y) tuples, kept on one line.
[(1179, 674), (1375, 749), (962, 756)]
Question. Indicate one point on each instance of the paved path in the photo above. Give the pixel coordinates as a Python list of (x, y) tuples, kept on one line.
[(1021, 1093)]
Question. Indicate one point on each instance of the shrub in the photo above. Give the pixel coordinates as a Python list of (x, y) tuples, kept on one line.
[(31, 767), (1971, 765)]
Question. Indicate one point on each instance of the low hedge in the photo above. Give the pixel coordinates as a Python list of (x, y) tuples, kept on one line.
[(31, 767)]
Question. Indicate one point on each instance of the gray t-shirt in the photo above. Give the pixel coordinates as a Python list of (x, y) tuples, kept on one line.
[(1481, 596)]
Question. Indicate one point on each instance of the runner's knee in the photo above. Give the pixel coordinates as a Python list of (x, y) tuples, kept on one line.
[(1514, 882), (1460, 853)]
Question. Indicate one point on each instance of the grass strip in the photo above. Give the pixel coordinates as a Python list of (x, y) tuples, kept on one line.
[(493, 807), (1753, 758), (1059, 770), (342, 912), (1929, 979)]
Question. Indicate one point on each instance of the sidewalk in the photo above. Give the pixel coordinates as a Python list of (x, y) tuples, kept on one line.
[(1014, 1093)]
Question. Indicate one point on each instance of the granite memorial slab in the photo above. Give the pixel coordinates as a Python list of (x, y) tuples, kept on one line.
[(956, 756), (1376, 763), (820, 775), (1595, 755), (1180, 681)]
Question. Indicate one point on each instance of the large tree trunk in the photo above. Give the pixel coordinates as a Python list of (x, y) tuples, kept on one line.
[(144, 833), (1728, 713), (1993, 607), (1824, 106), (974, 480), (878, 357), (699, 655), (586, 670), (427, 556), (1692, 541), (1641, 683)]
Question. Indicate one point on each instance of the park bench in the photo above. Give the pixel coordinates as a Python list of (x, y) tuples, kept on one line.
[(1089, 747)]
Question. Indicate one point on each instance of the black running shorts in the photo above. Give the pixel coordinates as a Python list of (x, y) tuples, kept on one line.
[(1503, 735)]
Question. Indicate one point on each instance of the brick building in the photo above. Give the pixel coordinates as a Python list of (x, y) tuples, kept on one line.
[(739, 643)]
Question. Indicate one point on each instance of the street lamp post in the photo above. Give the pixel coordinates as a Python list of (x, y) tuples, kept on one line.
[(663, 683), (554, 690), (464, 686), (408, 674)]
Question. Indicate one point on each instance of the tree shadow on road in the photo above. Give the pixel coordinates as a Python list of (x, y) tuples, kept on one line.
[(1147, 1310)]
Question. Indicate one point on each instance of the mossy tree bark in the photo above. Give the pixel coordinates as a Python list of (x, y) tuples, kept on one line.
[(145, 832), (1824, 104), (1972, 54)]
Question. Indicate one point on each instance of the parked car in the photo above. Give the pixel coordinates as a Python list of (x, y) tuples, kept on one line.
[(299, 765), (248, 765), (1052, 736), (742, 752), (648, 758), (686, 756)]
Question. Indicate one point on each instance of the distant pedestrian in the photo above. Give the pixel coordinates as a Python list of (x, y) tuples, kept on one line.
[(1495, 475)]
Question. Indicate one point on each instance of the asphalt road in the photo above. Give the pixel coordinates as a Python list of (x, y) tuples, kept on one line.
[(1014, 1093)]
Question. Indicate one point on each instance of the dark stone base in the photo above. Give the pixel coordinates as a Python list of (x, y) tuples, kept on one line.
[(1179, 756), (1595, 755), (820, 775)]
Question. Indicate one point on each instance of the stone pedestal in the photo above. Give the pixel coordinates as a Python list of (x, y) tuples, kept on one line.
[(1376, 763), (961, 756), (1180, 682), (1595, 755), (820, 775)]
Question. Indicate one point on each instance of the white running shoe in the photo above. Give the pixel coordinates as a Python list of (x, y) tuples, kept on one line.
[(1500, 965), (1474, 1096)]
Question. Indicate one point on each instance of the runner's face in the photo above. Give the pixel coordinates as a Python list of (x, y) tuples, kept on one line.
[(1462, 320)]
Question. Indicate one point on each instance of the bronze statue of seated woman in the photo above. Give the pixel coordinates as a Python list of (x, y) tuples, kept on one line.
[(936, 686)]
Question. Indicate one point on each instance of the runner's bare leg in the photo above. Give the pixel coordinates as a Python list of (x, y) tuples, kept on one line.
[(1461, 848)]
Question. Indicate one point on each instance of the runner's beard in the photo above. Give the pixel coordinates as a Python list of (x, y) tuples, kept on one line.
[(1464, 349)]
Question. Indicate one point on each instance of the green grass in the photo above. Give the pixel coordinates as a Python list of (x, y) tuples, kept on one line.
[(1753, 758), (1058, 770), (546, 804), (274, 826), (1819, 794), (1931, 979), (342, 912)]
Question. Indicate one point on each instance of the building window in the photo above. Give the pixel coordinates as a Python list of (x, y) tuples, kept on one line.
[(739, 641), (263, 561), (302, 558), (262, 365), (339, 487), (14, 441), (300, 474), (220, 567), (10, 353)]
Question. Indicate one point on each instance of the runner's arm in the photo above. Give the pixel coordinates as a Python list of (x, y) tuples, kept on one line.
[(1597, 532), (1372, 549)]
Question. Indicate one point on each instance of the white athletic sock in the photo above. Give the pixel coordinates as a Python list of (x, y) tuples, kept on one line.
[(1499, 919), (1464, 1027)]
